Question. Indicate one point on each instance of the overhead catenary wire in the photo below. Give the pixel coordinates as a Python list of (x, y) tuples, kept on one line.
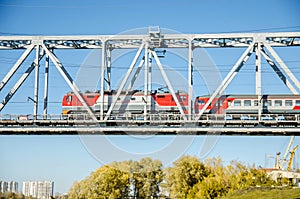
[(172, 67), (283, 28)]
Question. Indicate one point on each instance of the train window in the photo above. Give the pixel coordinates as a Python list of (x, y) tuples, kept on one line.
[(201, 102), (247, 103), (288, 103), (90, 96), (160, 96), (278, 103), (268, 103), (237, 103), (69, 98), (182, 97), (297, 102), (133, 98), (229, 102), (220, 102), (255, 102)]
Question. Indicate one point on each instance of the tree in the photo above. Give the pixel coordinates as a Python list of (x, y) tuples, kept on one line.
[(11, 195), (216, 184), (260, 178), (210, 187), (105, 182), (147, 176), (116, 179), (76, 191), (108, 182), (239, 174), (222, 180), (187, 178), (184, 175)]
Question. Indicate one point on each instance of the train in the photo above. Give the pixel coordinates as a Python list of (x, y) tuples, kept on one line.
[(132, 102), (249, 104), (159, 102)]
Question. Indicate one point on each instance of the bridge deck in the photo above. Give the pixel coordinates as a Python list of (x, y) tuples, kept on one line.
[(156, 124)]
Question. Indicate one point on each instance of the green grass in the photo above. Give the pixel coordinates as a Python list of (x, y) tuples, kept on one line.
[(286, 193)]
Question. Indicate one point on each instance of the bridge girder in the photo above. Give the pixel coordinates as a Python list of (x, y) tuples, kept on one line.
[(280, 39), (260, 43)]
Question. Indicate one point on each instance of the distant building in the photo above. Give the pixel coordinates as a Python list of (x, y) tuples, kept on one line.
[(3, 186), (11, 186), (38, 189), (277, 174)]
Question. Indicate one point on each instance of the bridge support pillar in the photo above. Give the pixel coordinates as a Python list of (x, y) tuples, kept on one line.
[(46, 87), (103, 67), (190, 79), (36, 82), (258, 78), (146, 101)]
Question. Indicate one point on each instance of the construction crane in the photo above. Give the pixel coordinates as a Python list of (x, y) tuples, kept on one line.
[(292, 157), (277, 165), (284, 160)]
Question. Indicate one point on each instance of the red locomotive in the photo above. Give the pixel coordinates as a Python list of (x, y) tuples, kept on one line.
[(130, 102)]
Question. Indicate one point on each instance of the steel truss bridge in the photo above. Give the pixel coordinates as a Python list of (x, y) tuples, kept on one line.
[(260, 44)]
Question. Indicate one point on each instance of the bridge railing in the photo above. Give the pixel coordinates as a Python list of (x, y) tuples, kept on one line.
[(156, 119)]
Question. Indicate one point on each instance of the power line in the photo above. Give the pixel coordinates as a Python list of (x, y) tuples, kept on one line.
[(233, 31), (264, 29)]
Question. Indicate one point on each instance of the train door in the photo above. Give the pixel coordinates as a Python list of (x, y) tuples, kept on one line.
[(218, 106), (266, 103)]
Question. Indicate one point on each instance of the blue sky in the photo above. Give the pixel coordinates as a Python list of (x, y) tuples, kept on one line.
[(64, 159)]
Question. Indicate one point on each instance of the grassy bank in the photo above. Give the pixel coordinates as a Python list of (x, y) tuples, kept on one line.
[(286, 193)]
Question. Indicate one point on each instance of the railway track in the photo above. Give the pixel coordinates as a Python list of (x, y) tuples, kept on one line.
[(154, 124)]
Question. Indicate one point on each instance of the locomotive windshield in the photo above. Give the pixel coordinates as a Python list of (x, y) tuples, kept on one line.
[(69, 98)]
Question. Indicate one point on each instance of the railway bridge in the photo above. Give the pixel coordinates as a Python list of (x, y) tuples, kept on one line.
[(149, 49)]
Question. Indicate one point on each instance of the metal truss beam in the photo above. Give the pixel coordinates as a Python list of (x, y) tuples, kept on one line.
[(283, 66), (108, 68), (16, 66), (149, 63), (46, 86), (230, 76), (103, 68), (36, 81), (258, 77), (124, 81), (146, 76), (69, 80), (20, 82), (149, 130), (155, 39), (258, 68), (279, 73), (163, 73), (136, 74), (190, 78), (279, 39)]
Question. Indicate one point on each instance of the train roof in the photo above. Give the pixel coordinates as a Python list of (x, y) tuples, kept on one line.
[(254, 96), (132, 92), (168, 92)]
